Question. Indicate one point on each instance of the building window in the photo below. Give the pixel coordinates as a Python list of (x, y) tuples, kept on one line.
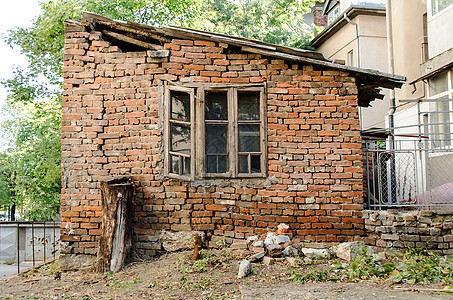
[(226, 126), (351, 58), (440, 87), (333, 14), (439, 5), (180, 131)]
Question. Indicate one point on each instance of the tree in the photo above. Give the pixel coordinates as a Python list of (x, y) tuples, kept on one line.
[(274, 21)]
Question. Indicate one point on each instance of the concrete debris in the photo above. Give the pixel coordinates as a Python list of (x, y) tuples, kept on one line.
[(281, 239), (257, 256), (349, 250), (258, 244), (290, 251), (311, 253), (245, 268), (268, 260), (274, 250), (269, 238)]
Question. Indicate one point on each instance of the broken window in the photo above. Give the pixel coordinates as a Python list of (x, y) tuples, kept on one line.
[(230, 136), (180, 130)]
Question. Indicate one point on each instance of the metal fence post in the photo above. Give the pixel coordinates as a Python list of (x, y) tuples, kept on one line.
[(33, 241), (44, 241), (54, 242), (18, 249)]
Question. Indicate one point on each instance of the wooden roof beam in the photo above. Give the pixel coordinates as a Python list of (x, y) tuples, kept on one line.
[(124, 38)]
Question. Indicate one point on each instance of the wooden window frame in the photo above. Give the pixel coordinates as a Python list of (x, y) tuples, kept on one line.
[(167, 133), (198, 135)]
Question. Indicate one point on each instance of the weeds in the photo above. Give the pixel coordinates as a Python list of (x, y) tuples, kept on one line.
[(415, 266), (213, 258), (422, 266)]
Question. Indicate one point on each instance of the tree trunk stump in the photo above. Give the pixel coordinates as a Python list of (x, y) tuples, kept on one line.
[(116, 230)]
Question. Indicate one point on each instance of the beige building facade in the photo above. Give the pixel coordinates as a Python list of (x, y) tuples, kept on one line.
[(356, 36)]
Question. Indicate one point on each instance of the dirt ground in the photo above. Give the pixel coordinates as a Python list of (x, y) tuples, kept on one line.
[(173, 277)]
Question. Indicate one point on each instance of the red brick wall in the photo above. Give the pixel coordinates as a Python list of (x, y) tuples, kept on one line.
[(110, 126)]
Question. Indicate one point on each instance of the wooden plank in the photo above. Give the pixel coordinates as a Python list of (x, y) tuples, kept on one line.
[(200, 132), (134, 29), (130, 40), (232, 130)]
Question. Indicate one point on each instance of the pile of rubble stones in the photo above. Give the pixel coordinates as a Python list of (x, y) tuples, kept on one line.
[(272, 247)]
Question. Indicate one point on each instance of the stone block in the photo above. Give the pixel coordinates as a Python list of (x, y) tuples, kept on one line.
[(245, 268), (175, 241), (69, 262), (392, 237)]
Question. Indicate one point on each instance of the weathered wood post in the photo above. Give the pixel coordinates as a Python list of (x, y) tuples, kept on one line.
[(116, 230)]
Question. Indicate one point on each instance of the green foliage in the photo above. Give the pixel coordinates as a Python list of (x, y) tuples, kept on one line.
[(415, 266), (209, 258), (274, 21), (422, 266), (311, 276), (33, 158)]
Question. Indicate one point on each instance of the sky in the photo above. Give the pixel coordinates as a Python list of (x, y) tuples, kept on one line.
[(15, 13)]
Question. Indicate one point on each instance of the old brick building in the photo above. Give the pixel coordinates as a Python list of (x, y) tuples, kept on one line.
[(219, 134)]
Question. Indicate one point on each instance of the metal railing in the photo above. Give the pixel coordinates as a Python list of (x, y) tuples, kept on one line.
[(24, 244), (422, 175)]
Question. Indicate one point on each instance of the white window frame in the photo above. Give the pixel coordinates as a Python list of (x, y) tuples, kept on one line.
[(431, 5)]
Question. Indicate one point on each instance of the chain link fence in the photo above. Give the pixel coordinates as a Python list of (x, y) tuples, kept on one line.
[(409, 174)]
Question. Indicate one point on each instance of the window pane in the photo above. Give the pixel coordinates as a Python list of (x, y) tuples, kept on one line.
[(222, 163), (440, 5), (438, 84), (243, 164), (174, 164), (180, 106), (215, 106), (180, 138), (216, 163), (216, 139), (211, 164), (186, 165), (249, 138), (216, 143), (248, 105), (255, 163)]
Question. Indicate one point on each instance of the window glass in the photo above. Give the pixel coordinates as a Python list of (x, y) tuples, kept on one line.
[(180, 106), (243, 164), (440, 5), (216, 107), (255, 163), (180, 134), (249, 138), (248, 105), (216, 148), (333, 14), (440, 119), (438, 84), (180, 138)]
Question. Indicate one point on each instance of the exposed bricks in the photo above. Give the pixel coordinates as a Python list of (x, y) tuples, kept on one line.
[(110, 126)]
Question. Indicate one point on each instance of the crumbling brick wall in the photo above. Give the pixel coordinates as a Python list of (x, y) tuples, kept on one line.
[(410, 229), (111, 126)]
